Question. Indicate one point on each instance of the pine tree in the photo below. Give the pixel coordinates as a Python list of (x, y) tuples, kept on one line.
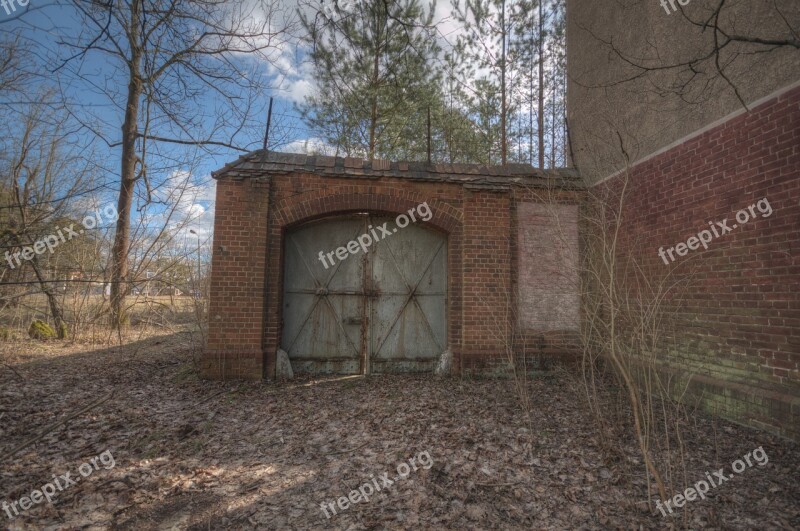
[(484, 44), (376, 77)]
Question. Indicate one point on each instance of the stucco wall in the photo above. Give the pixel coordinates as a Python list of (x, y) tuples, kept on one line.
[(612, 103)]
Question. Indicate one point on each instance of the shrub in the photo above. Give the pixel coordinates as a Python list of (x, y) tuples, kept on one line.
[(41, 330)]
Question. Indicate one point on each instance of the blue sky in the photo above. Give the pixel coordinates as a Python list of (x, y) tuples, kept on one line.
[(291, 77), (40, 24)]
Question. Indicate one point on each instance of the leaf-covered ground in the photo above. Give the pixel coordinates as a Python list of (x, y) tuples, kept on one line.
[(190, 454)]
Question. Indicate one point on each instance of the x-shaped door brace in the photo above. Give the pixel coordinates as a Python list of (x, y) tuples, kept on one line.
[(321, 292), (409, 297)]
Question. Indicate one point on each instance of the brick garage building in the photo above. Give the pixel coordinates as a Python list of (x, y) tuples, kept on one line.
[(493, 268)]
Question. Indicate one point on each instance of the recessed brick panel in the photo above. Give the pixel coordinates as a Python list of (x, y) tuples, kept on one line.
[(549, 292)]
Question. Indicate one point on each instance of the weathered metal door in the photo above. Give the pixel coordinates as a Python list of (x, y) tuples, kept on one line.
[(383, 310)]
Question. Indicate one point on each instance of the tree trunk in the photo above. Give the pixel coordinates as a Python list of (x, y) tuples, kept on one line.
[(119, 251), (564, 138), (52, 301), (541, 86), (373, 118), (503, 110), (530, 103), (373, 115), (553, 126)]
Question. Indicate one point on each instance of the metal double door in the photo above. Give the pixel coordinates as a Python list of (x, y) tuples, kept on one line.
[(380, 309)]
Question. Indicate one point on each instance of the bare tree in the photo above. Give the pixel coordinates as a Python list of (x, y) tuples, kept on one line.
[(40, 180), (13, 57), (629, 318), (175, 59)]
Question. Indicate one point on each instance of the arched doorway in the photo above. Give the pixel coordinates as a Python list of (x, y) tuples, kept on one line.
[(376, 308)]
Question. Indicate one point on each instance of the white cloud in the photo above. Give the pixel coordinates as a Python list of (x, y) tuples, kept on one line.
[(296, 90), (309, 146), (443, 20), (185, 203), (200, 214), (207, 190)]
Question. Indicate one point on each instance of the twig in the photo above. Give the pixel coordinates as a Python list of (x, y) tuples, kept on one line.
[(349, 450), (58, 424), (12, 369)]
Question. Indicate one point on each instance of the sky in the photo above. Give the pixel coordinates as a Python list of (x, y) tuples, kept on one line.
[(88, 79)]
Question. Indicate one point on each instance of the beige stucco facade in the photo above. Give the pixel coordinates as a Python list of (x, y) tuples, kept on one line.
[(609, 99)]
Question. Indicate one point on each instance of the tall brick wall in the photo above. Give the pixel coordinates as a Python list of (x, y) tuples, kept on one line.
[(738, 307), (486, 276), (260, 198), (236, 311)]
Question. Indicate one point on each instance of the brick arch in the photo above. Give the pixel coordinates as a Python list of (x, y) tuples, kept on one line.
[(318, 204), (302, 208)]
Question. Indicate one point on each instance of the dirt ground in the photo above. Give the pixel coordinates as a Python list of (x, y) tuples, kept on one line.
[(189, 454)]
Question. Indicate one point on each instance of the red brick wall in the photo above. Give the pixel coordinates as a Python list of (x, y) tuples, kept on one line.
[(486, 277), (236, 312), (253, 216), (739, 310)]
